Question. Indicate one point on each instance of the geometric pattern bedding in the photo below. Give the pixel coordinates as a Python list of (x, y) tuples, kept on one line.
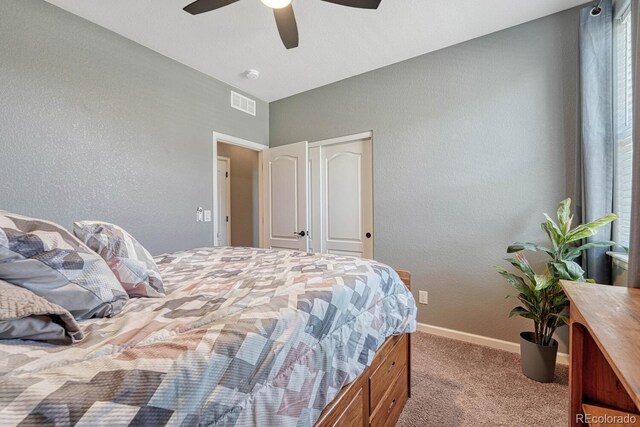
[(244, 337)]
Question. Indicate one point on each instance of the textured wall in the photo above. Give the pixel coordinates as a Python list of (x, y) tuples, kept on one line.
[(471, 144), (93, 126), (244, 194)]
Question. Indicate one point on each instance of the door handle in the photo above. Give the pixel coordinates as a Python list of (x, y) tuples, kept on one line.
[(368, 235), (300, 234)]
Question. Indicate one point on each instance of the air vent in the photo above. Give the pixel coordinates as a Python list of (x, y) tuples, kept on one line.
[(242, 103)]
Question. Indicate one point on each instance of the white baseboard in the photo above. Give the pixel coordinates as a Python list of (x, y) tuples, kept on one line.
[(511, 347)]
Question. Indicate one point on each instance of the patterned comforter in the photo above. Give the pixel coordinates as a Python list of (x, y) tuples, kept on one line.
[(244, 337)]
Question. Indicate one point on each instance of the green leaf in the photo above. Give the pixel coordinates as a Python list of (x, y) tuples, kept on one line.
[(530, 302), (521, 311), (588, 230), (543, 282), (563, 319), (515, 281), (564, 216), (559, 298), (567, 270), (528, 246), (521, 263), (550, 235), (559, 304), (557, 233), (597, 244), (574, 253)]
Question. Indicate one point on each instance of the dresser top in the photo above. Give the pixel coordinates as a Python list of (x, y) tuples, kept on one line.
[(612, 316)]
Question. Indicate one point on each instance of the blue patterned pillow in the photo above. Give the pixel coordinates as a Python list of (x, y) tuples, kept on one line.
[(130, 262), (49, 261)]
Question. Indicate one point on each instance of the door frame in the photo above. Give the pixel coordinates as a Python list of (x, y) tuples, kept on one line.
[(255, 146), (227, 160), (341, 139)]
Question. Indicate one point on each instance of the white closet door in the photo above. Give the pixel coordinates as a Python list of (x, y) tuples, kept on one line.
[(285, 190), (347, 202)]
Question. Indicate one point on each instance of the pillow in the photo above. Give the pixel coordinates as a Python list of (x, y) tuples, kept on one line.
[(128, 259), (25, 315), (49, 261)]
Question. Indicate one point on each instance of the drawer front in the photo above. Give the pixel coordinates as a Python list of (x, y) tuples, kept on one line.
[(387, 372), (353, 415), (391, 405), (600, 413)]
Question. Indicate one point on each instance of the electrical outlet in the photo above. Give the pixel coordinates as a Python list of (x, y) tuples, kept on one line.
[(199, 214), (424, 297)]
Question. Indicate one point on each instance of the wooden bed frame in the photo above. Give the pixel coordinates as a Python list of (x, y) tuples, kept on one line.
[(378, 396)]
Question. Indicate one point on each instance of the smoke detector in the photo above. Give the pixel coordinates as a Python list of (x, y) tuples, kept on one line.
[(252, 74)]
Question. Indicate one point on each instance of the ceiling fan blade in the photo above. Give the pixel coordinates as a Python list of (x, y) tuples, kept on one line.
[(287, 27), (202, 6), (362, 4)]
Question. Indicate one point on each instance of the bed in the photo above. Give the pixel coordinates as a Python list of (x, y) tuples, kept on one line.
[(244, 337)]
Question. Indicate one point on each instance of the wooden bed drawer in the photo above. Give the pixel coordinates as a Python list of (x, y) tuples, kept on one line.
[(353, 414), (391, 405), (391, 390), (621, 418), (387, 381), (387, 372)]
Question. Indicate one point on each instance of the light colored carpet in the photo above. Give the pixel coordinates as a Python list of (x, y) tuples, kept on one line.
[(460, 384)]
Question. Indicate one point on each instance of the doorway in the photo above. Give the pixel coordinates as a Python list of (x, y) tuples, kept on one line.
[(244, 188), (238, 196)]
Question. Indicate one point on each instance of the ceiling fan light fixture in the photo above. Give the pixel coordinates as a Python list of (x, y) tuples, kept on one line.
[(276, 4), (282, 11)]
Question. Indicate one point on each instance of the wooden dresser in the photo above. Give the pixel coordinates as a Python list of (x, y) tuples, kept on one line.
[(604, 364)]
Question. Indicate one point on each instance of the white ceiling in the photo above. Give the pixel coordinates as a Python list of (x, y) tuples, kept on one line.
[(336, 42)]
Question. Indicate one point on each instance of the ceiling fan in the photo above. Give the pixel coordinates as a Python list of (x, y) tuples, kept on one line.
[(283, 12)]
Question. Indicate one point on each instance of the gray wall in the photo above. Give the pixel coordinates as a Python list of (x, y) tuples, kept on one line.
[(94, 126), (471, 145), (244, 194)]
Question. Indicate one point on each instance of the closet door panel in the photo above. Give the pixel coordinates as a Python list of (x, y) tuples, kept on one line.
[(347, 202)]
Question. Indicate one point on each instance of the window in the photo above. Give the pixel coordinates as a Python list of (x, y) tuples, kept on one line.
[(623, 116)]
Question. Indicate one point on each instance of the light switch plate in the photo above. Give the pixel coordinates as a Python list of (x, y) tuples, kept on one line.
[(207, 216), (424, 297)]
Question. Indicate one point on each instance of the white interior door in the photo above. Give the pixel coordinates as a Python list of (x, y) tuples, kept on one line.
[(224, 202), (285, 202), (347, 198)]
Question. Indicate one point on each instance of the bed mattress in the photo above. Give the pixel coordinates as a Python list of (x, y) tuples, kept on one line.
[(244, 337)]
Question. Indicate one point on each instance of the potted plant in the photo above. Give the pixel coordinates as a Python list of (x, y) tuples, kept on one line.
[(542, 299)]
